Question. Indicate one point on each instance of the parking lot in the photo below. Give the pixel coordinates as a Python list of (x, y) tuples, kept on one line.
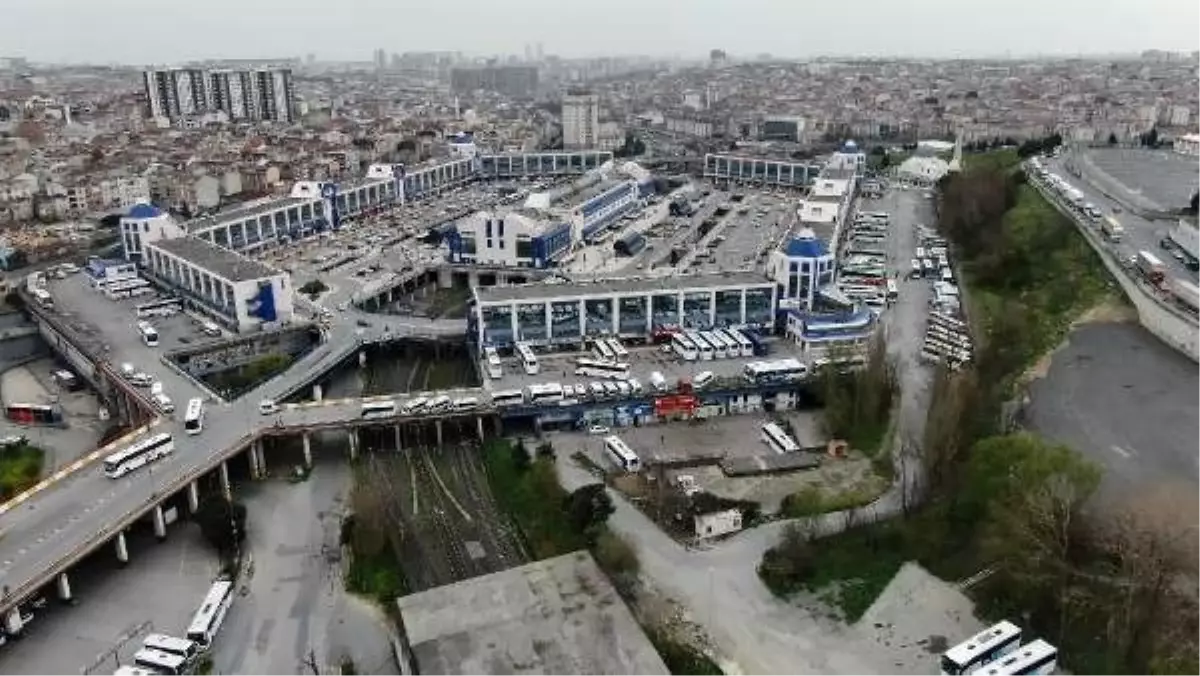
[(744, 237)]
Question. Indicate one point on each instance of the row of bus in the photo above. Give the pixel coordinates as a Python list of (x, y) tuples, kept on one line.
[(152, 448), (163, 654), (716, 344), (947, 340), (997, 651)]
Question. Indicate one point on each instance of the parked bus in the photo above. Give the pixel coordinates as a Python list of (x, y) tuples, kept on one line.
[(779, 371), (744, 344), (128, 288), (716, 342), (1036, 657), (893, 291), (546, 393), (140, 453), (126, 670), (617, 348), (758, 345), (733, 350), (148, 333), (603, 350), (621, 454), (600, 369), (504, 398), (207, 620), (684, 347), (981, 649), (164, 307), (43, 298), (159, 661), (495, 369), (703, 349), (528, 359), (186, 649), (378, 409), (779, 441), (193, 420)]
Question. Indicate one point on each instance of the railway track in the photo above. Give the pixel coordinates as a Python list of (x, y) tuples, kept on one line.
[(439, 516), (498, 531)]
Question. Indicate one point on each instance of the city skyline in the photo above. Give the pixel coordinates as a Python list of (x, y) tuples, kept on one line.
[(922, 29)]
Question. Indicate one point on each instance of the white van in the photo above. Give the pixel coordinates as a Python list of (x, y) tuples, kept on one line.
[(703, 378), (267, 407), (211, 329), (658, 382), (163, 403)]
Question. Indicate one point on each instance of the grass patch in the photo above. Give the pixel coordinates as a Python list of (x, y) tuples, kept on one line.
[(811, 500), (376, 576), (20, 469), (232, 383), (533, 498), (680, 657), (447, 374)]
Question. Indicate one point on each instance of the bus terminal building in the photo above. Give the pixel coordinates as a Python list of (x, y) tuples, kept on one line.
[(634, 308)]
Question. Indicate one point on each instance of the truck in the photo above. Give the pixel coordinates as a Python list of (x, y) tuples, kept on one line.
[(1112, 228), (1185, 293), (1151, 267)]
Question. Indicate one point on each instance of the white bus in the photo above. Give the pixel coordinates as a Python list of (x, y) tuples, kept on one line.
[(149, 335), (141, 453), (716, 342), (744, 344), (528, 359), (207, 620), (1035, 657), (128, 288), (779, 441), (733, 350), (982, 648), (378, 409), (602, 350), (193, 420), (546, 393), (617, 348), (43, 298), (503, 398), (161, 662), (893, 291), (164, 307), (170, 644), (684, 347), (495, 369), (600, 369), (779, 371), (126, 670), (621, 454), (703, 349)]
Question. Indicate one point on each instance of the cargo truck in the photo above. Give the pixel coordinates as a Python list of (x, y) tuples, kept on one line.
[(1112, 228), (1151, 267), (1185, 293)]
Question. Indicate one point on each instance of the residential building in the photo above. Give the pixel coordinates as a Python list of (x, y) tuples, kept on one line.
[(580, 120)]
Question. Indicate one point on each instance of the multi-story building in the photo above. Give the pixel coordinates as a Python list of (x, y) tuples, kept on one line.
[(514, 81), (580, 120), (261, 94)]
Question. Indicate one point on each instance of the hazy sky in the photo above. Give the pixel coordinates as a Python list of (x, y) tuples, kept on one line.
[(163, 32)]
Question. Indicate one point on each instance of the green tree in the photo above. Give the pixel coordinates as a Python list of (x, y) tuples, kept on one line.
[(588, 508), (520, 456), (313, 288), (1112, 139), (222, 522)]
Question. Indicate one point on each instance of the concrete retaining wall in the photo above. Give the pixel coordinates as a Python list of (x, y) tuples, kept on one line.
[(1167, 323)]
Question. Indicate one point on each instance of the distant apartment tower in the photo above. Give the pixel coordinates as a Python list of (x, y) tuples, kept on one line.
[(175, 93), (580, 120), (244, 95)]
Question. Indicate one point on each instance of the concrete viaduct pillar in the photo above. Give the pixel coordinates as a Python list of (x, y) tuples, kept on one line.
[(318, 395), (262, 458), (193, 497), (160, 523), (64, 587), (13, 622), (307, 450), (226, 488), (396, 429), (122, 548), (437, 426), (353, 438), (479, 427)]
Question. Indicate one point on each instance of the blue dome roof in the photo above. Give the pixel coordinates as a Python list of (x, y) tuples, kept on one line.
[(144, 211), (806, 247)]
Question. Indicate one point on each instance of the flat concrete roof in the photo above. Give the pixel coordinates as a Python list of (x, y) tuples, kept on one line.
[(242, 213), (217, 260), (629, 285), (557, 616)]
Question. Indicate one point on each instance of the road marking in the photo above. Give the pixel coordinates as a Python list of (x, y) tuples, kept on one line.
[(1121, 452)]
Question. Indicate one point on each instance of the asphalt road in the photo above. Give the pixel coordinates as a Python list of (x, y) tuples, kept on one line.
[(1122, 398)]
